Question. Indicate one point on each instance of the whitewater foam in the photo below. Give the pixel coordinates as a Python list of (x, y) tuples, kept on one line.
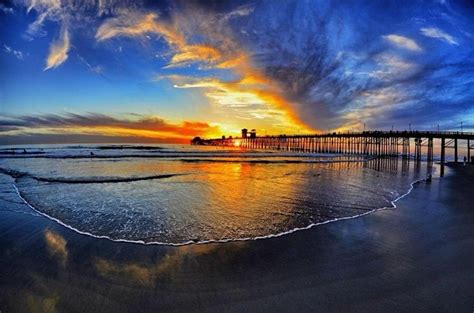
[(392, 202), (216, 198)]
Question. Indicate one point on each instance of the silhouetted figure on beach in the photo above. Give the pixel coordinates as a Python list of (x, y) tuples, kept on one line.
[(465, 161), (428, 179)]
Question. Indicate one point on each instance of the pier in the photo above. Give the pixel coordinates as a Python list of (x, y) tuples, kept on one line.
[(404, 144)]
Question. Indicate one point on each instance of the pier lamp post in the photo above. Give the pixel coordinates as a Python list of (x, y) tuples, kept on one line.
[(461, 127), (409, 126)]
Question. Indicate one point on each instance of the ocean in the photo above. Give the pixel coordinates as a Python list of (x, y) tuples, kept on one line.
[(180, 194)]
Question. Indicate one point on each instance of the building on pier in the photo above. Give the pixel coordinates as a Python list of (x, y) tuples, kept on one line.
[(197, 141), (253, 133)]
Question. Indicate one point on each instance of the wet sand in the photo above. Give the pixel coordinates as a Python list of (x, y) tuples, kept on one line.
[(418, 257)]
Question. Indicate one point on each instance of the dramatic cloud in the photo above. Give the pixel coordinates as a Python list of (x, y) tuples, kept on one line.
[(403, 42), (219, 51), (437, 33), (135, 24), (99, 124), (340, 74), (278, 66)]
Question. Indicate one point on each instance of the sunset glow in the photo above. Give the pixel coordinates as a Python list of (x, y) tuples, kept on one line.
[(236, 156), (208, 71)]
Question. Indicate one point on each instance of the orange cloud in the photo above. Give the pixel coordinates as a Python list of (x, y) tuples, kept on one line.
[(93, 124), (131, 24), (58, 51), (219, 50)]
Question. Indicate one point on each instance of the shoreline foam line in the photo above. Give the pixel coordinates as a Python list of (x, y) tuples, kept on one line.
[(190, 242)]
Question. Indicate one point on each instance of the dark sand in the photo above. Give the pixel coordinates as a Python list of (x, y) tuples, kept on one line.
[(418, 257)]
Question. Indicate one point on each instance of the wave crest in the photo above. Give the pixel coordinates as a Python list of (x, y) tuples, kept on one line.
[(84, 180)]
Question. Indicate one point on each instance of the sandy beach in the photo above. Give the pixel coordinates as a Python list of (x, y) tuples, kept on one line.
[(418, 257)]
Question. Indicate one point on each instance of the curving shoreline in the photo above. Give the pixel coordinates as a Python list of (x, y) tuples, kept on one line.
[(191, 242)]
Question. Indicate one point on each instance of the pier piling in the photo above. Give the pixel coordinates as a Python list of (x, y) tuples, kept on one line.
[(370, 143)]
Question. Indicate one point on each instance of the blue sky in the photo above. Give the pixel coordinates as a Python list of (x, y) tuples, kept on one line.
[(212, 67)]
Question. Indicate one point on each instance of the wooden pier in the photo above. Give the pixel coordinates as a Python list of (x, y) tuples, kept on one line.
[(405, 144)]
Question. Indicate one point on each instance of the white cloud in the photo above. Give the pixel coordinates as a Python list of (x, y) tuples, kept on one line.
[(392, 67), (45, 9), (17, 53), (437, 33), (5, 9), (403, 42), (240, 11), (67, 14), (371, 106), (95, 69)]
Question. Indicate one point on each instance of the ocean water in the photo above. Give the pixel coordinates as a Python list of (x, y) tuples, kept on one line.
[(177, 194)]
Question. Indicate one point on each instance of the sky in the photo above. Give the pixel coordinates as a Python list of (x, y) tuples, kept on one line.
[(166, 71)]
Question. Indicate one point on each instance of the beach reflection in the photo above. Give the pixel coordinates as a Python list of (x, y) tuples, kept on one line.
[(56, 245), (149, 274), (40, 304)]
